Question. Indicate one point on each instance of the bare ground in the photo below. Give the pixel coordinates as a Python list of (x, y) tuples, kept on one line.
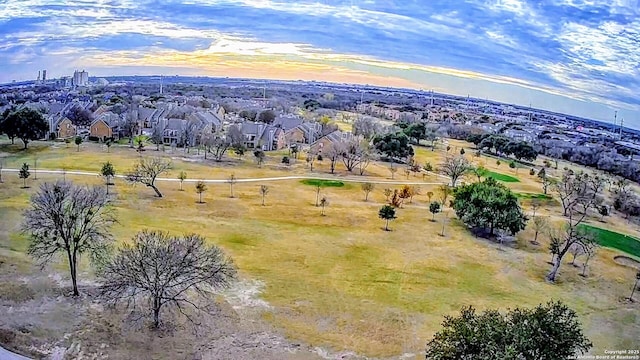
[(40, 320)]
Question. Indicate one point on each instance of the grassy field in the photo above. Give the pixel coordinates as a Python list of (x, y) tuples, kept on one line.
[(501, 177), (340, 281), (614, 240), (533, 196)]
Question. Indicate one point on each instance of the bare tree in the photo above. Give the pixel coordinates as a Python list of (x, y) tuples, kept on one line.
[(590, 249), (311, 158), (366, 156), (264, 190), (188, 135), (455, 167), (164, 271), (232, 180), (367, 188), (323, 203), (157, 136), (217, 144), (387, 193), (333, 152), (578, 192), (147, 170), (131, 125), (444, 191), (540, 224), (72, 220)]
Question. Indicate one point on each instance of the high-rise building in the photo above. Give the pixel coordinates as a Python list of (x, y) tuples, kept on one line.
[(80, 78), (44, 76)]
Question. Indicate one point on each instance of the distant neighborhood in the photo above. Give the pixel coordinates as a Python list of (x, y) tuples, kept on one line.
[(269, 116)]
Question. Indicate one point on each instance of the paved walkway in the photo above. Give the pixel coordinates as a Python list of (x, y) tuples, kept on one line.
[(249, 180), (8, 355)]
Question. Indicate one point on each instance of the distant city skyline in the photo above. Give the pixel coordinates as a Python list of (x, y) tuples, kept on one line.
[(568, 56)]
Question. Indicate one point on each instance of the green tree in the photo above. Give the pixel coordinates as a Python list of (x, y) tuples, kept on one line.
[(428, 167), (549, 331), (415, 131), (267, 116), (498, 163), (26, 124), (201, 187), (260, 156), (393, 145), (24, 174), (434, 208), (182, 176), (489, 205), (386, 213), (78, 140), (462, 151), (108, 172)]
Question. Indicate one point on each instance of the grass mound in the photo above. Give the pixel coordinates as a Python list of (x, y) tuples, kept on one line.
[(501, 177), (612, 239), (323, 183)]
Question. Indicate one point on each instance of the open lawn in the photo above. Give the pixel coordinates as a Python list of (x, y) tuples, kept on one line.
[(501, 177), (323, 183), (612, 239), (340, 281), (532, 196)]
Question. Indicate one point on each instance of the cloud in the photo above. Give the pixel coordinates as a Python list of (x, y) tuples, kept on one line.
[(575, 50)]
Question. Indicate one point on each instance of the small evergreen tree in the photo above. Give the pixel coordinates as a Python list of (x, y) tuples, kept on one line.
[(387, 213), (434, 208), (24, 174)]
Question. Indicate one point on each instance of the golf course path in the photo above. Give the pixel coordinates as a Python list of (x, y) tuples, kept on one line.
[(248, 180)]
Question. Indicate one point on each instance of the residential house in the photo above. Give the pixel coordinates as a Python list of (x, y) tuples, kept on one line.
[(329, 139), (305, 133), (101, 129), (66, 129), (262, 136), (173, 131), (105, 126), (287, 122)]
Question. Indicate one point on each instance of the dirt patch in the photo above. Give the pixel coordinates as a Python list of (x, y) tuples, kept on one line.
[(627, 261)]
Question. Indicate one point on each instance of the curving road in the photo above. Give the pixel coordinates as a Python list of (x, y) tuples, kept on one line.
[(8, 355), (249, 180)]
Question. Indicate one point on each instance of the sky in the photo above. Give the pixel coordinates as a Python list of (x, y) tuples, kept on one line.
[(580, 57)]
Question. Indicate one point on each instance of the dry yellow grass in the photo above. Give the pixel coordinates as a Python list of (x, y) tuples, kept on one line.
[(339, 280)]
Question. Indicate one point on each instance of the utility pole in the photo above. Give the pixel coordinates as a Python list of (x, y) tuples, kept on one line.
[(621, 123)]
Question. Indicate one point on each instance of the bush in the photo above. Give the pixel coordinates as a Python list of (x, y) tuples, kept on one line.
[(532, 172), (94, 138)]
